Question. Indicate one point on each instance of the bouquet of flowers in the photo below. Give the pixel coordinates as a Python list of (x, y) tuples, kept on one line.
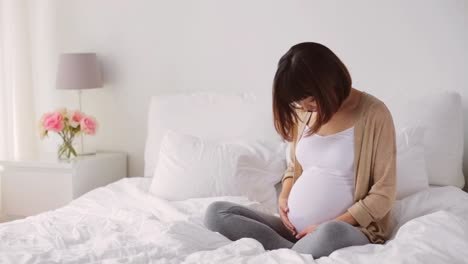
[(67, 124)]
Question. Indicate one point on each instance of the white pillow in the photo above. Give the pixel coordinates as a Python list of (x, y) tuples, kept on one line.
[(192, 167), (441, 115), (209, 115), (411, 164)]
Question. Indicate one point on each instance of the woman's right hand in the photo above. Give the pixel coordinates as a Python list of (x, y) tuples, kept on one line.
[(283, 212)]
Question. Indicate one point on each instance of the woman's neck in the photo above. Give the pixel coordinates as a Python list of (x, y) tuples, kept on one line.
[(351, 102), (345, 113)]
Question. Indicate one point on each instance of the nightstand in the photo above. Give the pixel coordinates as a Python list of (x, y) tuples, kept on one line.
[(29, 187)]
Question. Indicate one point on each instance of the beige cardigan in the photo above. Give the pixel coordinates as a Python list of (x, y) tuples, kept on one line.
[(374, 167)]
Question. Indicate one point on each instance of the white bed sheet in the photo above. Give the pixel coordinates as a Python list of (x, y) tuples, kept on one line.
[(123, 223)]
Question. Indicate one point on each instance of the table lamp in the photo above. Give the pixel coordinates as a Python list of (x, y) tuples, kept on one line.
[(78, 71)]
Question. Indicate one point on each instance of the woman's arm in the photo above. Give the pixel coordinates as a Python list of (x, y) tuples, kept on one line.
[(288, 175), (286, 187), (348, 218), (379, 200)]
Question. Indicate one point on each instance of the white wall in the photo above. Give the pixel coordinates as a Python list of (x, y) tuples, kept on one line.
[(150, 47)]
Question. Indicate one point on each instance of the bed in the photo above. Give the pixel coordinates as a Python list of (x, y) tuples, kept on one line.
[(124, 222)]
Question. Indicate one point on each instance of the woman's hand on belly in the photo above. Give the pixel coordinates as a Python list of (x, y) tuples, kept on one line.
[(283, 212), (306, 231)]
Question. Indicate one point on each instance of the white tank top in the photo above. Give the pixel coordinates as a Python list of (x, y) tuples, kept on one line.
[(325, 189)]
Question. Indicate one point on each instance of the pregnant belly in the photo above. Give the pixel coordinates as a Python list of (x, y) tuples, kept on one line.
[(318, 196)]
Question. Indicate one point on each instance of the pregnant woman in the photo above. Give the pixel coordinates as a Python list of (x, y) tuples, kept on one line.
[(340, 182)]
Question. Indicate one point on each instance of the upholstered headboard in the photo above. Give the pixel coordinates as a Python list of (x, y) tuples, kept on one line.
[(225, 116)]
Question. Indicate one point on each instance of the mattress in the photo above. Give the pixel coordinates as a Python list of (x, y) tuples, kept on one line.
[(122, 223)]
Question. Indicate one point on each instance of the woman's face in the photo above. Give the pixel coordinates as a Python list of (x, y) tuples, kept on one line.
[(307, 104)]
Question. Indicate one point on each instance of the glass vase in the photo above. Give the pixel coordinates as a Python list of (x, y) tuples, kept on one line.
[(66, 150)]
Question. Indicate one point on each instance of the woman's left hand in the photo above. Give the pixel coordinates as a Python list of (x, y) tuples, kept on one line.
[(306, 231)]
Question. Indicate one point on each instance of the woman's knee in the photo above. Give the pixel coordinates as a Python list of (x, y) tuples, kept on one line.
[(333, 227), (213, 215)]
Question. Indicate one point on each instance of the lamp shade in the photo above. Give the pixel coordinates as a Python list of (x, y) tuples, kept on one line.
[(78, 71)]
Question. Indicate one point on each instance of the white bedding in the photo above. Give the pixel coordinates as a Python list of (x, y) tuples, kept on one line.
[(123, 223)]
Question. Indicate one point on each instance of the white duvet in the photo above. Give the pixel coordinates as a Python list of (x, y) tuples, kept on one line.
[(122, 223)]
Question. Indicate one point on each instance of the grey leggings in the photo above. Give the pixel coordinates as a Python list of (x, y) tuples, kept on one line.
[(236, 221)]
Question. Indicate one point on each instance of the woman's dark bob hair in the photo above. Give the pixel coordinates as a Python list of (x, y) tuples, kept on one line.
[(308, 69)]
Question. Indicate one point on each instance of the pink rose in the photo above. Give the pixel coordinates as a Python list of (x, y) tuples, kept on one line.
[(53, 121), (75, 118), (88, 125)]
